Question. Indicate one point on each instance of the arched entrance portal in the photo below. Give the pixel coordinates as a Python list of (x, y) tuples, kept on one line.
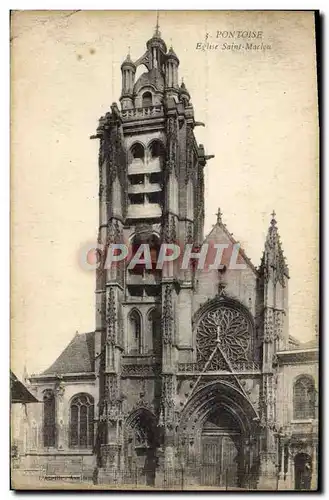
[(303, 471), (140, 447), (221, 449), (219, 436)]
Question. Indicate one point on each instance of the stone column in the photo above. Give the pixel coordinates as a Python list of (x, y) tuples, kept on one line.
[(169, 458), (109, 451), (268, 460), (108, 474), (268, 472), (60, 390), (291, 470), (281, 473), (282, 462), (168, 414)]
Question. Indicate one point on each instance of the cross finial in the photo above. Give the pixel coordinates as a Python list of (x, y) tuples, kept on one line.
[(219, 216), (273, 215)]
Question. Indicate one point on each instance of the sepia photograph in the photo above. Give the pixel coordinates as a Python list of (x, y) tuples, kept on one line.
[(164, 250)]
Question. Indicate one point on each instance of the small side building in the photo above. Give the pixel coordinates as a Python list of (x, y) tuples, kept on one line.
[(60, 435)]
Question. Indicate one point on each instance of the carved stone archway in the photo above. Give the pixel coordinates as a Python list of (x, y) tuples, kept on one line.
[(220, 409), (140, 444)]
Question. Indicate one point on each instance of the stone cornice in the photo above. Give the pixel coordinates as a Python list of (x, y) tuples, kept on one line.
[(65, 377)]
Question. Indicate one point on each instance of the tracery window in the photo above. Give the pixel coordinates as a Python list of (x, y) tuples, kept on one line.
[(154, 325), (49, 419), (304, 398), (82, 421), (223, 336)]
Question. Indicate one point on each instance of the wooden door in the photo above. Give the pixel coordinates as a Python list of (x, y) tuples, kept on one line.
[(211, 461), (219, 464), (229, 462)]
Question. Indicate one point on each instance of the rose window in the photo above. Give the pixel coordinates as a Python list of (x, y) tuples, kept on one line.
[(224, 332)]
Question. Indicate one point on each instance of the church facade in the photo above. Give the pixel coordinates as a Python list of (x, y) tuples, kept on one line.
[(191, 377)]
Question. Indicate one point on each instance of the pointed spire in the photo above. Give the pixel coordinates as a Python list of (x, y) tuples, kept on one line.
[(154, 42), (273, 258), (273, 234), (157, 32)]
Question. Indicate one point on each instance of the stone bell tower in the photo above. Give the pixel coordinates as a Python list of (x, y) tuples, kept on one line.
[(151, 191)]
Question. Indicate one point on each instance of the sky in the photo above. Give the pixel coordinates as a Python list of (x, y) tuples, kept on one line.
[(260, 113)]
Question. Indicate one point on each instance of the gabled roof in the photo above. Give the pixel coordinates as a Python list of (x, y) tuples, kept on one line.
[(222, 226), (77, 357)]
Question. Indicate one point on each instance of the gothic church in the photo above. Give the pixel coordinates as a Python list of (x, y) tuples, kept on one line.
[(191, 377)]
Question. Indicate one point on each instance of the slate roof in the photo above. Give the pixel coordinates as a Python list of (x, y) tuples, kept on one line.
[(77, 357)]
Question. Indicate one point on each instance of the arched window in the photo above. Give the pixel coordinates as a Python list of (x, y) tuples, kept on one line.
[(82, 421), (147, 99), (154, 326), (49, 419), (135, 328), (137, 151), (156, 149), (304, 398)]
